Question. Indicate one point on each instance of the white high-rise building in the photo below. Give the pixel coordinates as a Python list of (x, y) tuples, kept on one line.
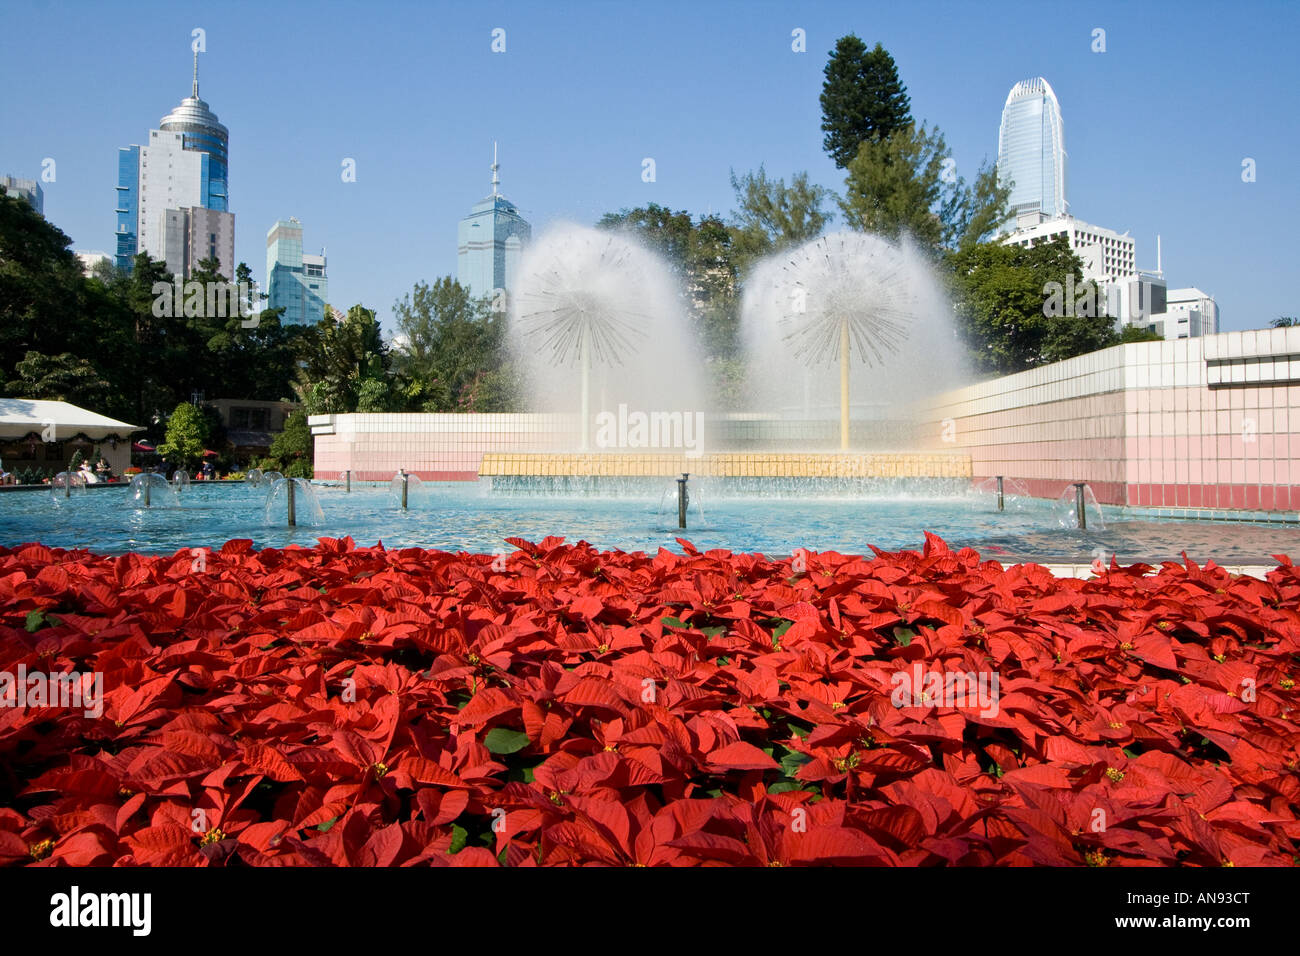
[(1190, 313), (1031, 150), (1107, 255)]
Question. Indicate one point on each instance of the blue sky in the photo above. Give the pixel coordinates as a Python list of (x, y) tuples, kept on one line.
[(1156, 127)]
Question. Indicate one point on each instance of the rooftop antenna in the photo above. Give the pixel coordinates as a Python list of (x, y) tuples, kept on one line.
[(195, 92), (496, 178), (1158, 264)]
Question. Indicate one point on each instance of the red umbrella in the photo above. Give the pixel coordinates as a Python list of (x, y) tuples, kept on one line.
[(142, 446), (209, 453)]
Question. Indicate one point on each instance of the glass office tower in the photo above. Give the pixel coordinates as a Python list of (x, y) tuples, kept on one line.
[(1031, 150), (490, 241), (296, 282)]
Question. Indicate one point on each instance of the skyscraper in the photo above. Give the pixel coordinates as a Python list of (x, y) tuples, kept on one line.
[(1031, 152), (490, 241), (172, 194), (295, 282)]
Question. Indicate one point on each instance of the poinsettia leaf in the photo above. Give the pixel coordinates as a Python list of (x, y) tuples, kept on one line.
[(503, 740)]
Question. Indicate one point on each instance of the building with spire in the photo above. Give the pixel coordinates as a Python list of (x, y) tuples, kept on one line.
[(172, 192), (294, 282), (490, 241), (1031, 153)]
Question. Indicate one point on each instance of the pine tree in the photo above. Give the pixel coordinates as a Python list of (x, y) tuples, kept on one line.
[(862, 100)]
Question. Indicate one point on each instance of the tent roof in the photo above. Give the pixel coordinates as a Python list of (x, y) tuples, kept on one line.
[(22, 416)]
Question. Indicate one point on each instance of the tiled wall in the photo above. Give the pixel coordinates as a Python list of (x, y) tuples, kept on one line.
[(1206, 423), (437, 447)]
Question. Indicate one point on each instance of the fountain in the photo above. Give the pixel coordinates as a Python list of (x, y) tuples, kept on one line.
[(152, 491), (181, 480), (406, 490), (597, 317), (254, 477), (65, 483), (1001, 494), (292, 501), (854, 300), (681, 500), (1077, 507), (271, 477)]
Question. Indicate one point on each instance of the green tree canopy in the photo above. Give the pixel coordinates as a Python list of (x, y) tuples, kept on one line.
[(60, 378), (1001, 294), (772, 216), (699, 252), (862, 100), (907, 185), (1138, 333), (186, 435), (337, 358), (452, 354)]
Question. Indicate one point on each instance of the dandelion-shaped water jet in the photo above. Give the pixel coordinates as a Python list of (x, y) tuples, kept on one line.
[(843, 293), (577, 305)]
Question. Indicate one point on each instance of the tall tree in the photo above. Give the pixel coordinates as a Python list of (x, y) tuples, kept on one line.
[(451, 356), (862, 100), (771, 215), (907, 184)]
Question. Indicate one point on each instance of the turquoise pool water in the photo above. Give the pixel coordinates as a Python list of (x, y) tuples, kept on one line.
[(466, 516)]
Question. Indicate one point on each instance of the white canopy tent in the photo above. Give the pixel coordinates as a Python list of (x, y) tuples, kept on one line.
[(28, 427), (58, 421)]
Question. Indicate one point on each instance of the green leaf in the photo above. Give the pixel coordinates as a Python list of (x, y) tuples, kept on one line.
[(713, 631), (672, 622), (35, 621), (459, 837), (792, 761), (781, 629), (325, 827), (784, 786), (904, 636), (503, 740)]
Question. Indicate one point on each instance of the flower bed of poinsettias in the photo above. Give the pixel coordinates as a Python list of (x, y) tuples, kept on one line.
[(360, 706)]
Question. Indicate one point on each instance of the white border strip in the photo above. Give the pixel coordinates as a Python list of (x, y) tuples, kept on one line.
[(1085, 571)]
